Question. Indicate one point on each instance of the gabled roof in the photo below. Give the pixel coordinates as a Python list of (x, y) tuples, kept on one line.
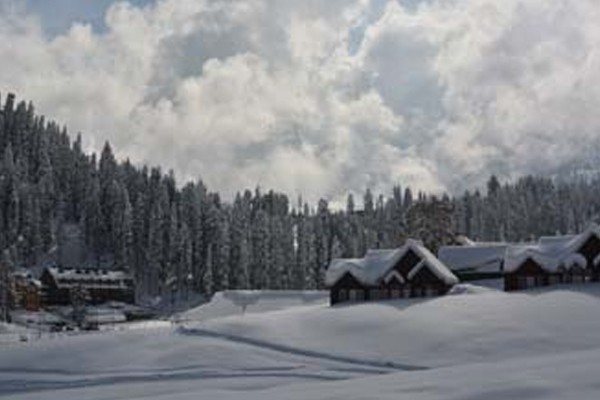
[(576, 242), (371, 269), (548, 257), (551, 253)]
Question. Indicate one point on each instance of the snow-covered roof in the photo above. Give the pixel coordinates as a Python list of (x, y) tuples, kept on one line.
[(548, 257), (24, 276), (371, 269), (555, 240), (597, 260), (69, 277), (575, 260), (551, 253), (476, 257), (577, 241)]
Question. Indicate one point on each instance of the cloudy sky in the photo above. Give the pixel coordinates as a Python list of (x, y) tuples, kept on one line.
[(317, 97)]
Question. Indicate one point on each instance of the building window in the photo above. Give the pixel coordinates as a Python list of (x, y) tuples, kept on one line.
[(541, 280), (430, 291), (406, 291), (356, 295), (342, 295), (531, 282), (377, 294), (395, 293)]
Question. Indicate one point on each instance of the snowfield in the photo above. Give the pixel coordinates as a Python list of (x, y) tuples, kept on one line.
[(478, 343)]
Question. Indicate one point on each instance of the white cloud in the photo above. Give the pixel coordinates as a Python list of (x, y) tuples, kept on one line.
[(323, 97)]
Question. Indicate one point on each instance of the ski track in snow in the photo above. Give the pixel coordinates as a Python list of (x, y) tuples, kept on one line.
[(11, 387), (490, 345), (317, 367), (388, 365)]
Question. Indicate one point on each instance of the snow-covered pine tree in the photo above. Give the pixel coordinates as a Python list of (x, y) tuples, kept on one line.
[(240, 242)]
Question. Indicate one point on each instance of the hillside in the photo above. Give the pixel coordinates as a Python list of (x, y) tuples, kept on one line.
[(480, 344), (240, 302), (442, 331), (180, 240)]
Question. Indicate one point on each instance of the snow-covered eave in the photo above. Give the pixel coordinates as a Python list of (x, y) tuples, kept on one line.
[(339, 267), (545, 263), (72, 274), (374, 276), (549, 263), (553, 255), (574, 260), (575, 244), (436, 267), (439, 268)]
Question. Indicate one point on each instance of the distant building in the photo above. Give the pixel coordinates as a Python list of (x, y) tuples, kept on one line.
[(101, 285), (27, 291), (553, 260), (409, 271)]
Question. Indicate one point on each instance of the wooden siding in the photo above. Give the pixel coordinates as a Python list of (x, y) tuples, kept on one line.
[(529, 274), (423, 284), (590, 250), (407, 263), (340, 291), (52, 294)]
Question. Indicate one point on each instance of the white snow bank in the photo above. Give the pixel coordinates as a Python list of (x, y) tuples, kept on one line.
[(479, 345), (239, 302), (554, 377), (6, 328), (468, 288), (571, 375), (433, 332)]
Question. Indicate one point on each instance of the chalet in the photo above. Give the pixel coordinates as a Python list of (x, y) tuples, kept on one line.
[(100, 284), (553, 260), (474, 261), (409, 271), (27, 291)]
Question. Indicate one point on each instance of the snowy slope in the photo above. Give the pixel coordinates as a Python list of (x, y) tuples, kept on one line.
[(480, 344), (434, 332), (232, 303)]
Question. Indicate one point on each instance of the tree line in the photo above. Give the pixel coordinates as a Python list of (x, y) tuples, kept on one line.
[(184, 238)]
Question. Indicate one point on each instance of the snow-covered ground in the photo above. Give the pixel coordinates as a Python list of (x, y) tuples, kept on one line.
[(476, 344), (240, 302)]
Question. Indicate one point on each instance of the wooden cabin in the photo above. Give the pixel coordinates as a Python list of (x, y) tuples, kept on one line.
[(101, 285), (590, 249), (530, 273), (409, 271), (554, 260), (27, 291)]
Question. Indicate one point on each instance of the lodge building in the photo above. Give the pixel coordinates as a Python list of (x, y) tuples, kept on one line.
[(554, 260), (409, 271), (26, 291), (549, 261), (101, 285)]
